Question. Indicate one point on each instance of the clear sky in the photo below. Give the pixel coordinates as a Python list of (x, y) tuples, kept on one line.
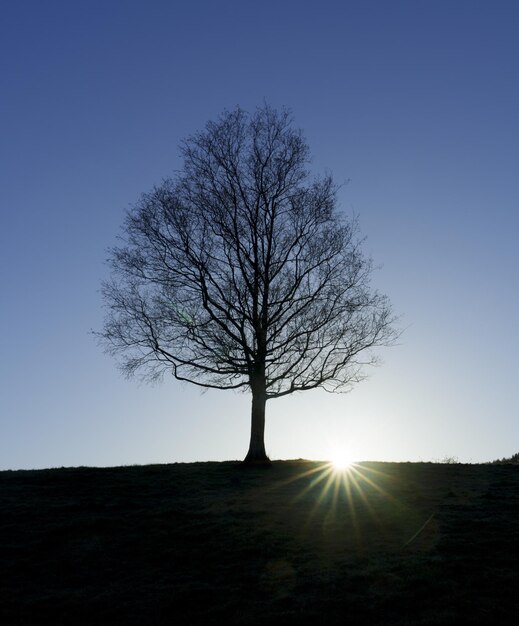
[(415, 103)]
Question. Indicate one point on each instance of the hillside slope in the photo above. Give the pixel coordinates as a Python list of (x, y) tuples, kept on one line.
[(209, 543)]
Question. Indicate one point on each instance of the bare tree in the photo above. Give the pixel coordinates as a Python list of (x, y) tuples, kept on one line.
[(240, 273)]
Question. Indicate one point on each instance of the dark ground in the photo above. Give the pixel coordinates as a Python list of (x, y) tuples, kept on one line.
[(213, 543)]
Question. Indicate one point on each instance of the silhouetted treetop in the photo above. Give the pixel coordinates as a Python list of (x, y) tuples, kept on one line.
[(240, 272)]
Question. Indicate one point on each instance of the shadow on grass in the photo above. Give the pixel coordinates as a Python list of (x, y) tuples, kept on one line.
[(209, 543)]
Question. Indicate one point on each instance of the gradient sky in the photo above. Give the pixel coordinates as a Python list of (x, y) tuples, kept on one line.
[(414, 103)]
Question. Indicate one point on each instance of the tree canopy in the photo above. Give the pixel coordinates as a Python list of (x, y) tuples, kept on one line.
[(240, 272)]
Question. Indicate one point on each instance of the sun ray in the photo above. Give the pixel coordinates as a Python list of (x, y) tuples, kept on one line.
[(336, 495)]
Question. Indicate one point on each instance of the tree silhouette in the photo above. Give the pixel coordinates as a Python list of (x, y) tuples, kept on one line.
[(240, 273)]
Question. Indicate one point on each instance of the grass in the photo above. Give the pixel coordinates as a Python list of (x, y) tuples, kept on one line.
[(213, 543)]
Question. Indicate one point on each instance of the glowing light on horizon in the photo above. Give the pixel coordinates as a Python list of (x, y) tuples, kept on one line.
[(341, 459)]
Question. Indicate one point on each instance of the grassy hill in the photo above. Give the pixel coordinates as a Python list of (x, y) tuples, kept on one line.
[(214, 543)]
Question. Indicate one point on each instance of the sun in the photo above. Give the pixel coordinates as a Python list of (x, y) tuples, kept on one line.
[(341, 460)]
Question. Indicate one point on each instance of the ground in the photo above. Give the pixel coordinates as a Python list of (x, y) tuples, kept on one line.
[(211, 543)]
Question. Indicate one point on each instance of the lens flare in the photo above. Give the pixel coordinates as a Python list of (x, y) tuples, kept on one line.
[(341, 460)]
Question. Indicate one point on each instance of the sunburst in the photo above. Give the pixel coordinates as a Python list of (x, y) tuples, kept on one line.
[(341, 460)]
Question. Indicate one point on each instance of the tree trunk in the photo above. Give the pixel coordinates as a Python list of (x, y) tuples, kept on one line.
[(256, 454)]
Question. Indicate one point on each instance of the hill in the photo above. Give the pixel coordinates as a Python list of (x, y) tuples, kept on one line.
[(214, 543)]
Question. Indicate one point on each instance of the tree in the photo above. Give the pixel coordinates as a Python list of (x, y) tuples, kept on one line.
[(240, 272)]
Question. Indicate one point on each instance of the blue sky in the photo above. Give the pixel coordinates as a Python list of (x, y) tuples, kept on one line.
[(414, 103)]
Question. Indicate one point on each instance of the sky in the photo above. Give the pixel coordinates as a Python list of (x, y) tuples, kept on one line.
[(413, 104)]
